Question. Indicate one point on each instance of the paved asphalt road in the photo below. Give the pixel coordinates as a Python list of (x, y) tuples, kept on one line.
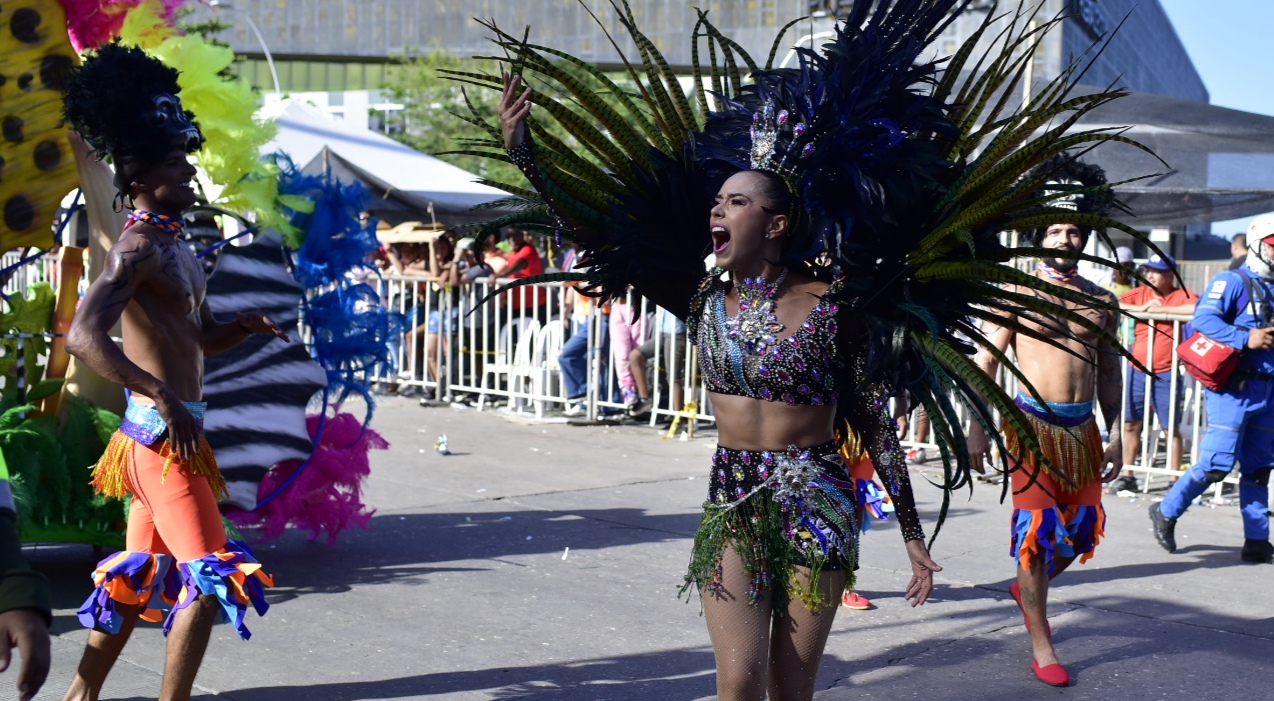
[(543, 560)]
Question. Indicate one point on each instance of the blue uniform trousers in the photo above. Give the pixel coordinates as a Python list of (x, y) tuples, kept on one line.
[(1240, 428)]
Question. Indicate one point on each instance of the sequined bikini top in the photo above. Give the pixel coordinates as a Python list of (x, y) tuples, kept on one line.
[(803, 368)]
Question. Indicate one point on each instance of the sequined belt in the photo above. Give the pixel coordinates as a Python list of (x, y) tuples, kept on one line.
[(790, 474), (143, 423), (1056, 413)]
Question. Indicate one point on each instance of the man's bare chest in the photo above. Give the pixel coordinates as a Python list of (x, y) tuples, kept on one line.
[(1079, 323), (178, 285)]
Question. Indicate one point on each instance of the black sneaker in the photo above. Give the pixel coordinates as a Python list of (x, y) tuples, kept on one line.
[(1257, 551), (641, 408), (1123, 483), (1164, 527)]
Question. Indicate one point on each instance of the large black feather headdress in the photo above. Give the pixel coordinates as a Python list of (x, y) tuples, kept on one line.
[(906, 171), (124, 103), (843, 139)]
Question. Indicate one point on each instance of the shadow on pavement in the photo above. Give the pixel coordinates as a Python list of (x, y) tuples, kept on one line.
[(669, 674), (400, 548), (1118, 637)]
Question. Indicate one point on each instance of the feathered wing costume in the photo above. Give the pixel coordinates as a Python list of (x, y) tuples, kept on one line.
[(907, 172)]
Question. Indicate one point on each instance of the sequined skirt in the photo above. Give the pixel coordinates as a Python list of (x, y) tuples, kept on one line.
[(778, 510)]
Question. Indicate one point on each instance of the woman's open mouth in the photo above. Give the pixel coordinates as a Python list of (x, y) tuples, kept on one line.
[(720, 239)]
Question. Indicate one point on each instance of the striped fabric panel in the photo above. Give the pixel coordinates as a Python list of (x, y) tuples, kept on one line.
[(257, 393)]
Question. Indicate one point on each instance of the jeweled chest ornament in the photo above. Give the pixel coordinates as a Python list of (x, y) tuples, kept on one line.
[(756, 325)]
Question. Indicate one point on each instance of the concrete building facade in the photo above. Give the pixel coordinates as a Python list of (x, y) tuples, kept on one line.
[(339, 53)]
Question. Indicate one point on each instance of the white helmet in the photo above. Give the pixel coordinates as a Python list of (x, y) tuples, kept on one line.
[(1260, 229)]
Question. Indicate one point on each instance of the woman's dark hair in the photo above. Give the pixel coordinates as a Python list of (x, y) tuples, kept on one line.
[(775, 189)]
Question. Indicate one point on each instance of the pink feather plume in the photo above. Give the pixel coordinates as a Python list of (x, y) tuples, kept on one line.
[(326, 497), (92, 23)]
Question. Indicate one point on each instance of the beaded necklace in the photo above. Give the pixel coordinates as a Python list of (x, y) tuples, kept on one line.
[(163, 222), (756, 325), (1054, 273)]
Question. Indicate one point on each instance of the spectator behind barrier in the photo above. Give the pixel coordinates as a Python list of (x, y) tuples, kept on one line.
[(1238, 249), (627, 332), (672, 335), (577, 311), (402, 259), (1236, 311), (523, 261), (1121, 283), (1161, 297), (445, 271)]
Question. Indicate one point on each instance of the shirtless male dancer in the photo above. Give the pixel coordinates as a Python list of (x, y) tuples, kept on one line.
[(178, 553), (1054, 522)]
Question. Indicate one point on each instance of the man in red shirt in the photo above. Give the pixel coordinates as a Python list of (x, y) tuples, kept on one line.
[(524, 261), (1161, 297)]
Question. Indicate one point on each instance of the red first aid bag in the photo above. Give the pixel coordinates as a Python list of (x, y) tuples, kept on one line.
[(1208, 361)]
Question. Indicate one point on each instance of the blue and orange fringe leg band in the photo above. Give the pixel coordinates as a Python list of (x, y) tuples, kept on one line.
[(1085, 526), (233, 575), (156, 582), (146, 580), (1038, 536)]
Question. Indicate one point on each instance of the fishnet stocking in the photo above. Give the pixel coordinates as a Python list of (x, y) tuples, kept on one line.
[(796, 645), (755, 651)]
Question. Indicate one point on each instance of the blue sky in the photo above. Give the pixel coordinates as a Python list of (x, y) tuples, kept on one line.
[(1230, 43)]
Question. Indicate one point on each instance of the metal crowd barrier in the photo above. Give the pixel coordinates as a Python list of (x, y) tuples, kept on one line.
[(505, 352), (1194, 419), (1152, 461), (23, 277)]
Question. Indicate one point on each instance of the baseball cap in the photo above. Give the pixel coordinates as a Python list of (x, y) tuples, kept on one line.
[(1261, 228), (1123, 254), (1161, 262)]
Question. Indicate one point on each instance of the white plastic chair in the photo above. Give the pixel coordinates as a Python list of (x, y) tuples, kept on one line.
[(529, 330), (545, 371)]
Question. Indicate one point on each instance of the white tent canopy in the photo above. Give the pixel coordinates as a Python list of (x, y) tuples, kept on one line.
[(406, 183)]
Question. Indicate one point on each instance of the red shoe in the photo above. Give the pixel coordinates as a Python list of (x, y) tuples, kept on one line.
[(852, 600), (1016, 592), (1053, 675)]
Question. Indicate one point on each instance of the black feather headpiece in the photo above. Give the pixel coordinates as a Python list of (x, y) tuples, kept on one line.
[(124, 103), (850, 144), (1067, 183)]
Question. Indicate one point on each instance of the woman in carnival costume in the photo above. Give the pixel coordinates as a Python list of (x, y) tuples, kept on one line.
[(853, 205), (179, 560)]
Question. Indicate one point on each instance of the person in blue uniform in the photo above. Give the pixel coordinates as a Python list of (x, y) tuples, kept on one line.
[(1236, 310)]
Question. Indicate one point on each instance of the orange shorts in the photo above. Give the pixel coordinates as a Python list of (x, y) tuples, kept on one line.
[(174, 514)]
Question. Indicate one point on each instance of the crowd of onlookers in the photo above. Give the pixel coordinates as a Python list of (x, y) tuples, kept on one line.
[(448, 323), (635, 346)]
